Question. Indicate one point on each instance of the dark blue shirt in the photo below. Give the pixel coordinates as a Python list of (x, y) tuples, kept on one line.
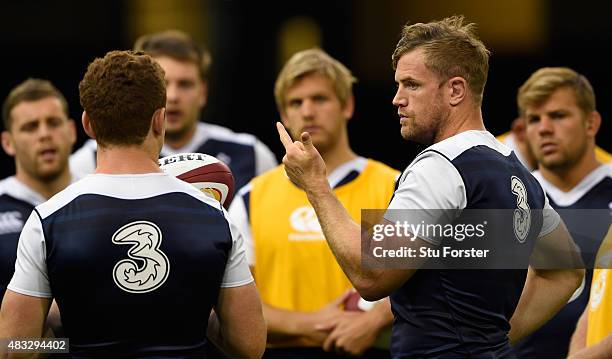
[(465, 313), (586, 213)]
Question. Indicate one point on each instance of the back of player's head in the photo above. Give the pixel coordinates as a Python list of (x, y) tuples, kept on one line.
[(120, 94), (451, 49), (314, 61), (542, 83), (30, 90), (177, 45)]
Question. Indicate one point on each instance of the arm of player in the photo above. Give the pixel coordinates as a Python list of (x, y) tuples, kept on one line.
[(285, 327), (306, 169), (357, 332), (23, 316), (237, 325), (27, 300), (601, 350), (536, 306), (578, 341)]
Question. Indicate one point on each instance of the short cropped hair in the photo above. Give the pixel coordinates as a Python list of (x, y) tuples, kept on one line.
[(120, 94), (177, 45), (542, 83), (30, 90), (314, 61), (451, 49)]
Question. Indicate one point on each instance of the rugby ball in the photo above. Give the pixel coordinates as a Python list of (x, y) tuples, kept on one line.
[(204, 172)]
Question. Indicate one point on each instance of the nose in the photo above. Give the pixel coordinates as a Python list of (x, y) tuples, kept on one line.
[(545, 126), (399, 100), (44, 130), (307, 109), (171, 92)]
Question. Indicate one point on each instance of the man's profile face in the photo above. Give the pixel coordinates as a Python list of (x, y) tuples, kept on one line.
[(419, 100), (311, 105), (40, 138), (557, 130), (185, 96)]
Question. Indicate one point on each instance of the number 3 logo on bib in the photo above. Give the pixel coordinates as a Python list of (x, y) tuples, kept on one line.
[(522, 213), (130, 275)]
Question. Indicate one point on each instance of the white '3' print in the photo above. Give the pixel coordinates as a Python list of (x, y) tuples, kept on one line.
[(522, 213), (146, 238)]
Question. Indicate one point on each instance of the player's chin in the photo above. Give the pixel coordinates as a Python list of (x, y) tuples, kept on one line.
[(48, 173), (176, 131), (552, 161), (407, 134), (320, 143), (174, 128)]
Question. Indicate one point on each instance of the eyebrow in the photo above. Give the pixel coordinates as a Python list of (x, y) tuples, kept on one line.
[(557, 110), (406, 78)]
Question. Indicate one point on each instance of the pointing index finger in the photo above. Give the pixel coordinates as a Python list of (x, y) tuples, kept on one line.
[(284, 136)]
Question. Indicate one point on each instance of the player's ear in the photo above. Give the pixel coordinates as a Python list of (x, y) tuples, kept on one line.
[(349, 107), (457, 88), (593, 122), (87, 125), (158, 123), (519, 129), (7, 143)]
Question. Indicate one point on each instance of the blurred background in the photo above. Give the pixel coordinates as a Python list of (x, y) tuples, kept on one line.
[(250, 40)]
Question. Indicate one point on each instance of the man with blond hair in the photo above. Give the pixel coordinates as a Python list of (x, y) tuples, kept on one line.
[(559, 109), (440, 70), (303, 289)]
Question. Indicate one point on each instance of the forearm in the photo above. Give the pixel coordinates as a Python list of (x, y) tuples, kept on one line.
[(341, 232), (536, 306), (285, 324), (344, 238), (578, 341), (231, 345), (601, 350), (237, 324)]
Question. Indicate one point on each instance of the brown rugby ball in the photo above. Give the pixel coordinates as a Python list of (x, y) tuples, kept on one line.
[(204, 172)]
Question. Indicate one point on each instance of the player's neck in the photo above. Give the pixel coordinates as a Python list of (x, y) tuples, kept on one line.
[(176, 143), (460, 120), (45, 188), (126, 160), (566, 179), (338, 155)]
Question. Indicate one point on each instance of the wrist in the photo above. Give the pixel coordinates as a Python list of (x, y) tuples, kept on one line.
[(380, 315), (301, 324), (375, 320), (318, 190)]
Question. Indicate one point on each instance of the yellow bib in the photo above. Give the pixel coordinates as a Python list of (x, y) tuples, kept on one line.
[(294, 267), (600, 301)]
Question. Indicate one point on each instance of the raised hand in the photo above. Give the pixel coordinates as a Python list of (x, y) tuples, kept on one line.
[(303, 163)]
